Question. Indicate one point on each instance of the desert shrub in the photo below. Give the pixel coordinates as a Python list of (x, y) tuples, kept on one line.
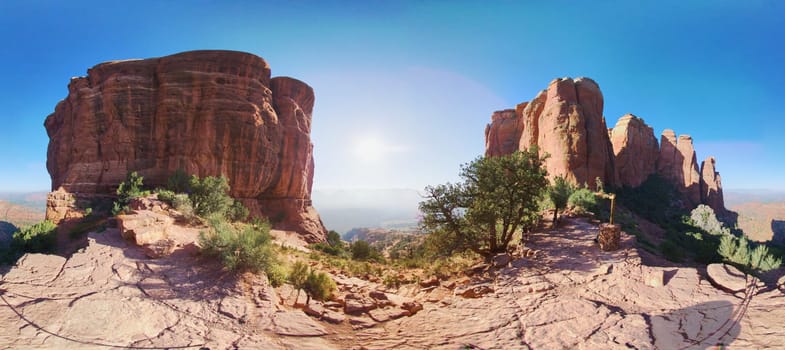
[(361, 250), (237, 211), (671, 251), (178, 182), (583, 200), (703, 216), (37, 238), (166, 196), (319, 286), (276, 274), (329, 249), (127, 190), (245, 249), (559, 193), (209, 195), (738, 252), (298, 275), (334, 238)]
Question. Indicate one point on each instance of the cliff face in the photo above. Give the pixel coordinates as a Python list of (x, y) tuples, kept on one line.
[(566, 121), (209, 113), (635, 149)]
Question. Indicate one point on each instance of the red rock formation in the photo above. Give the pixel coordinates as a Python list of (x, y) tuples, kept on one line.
[(207, 112), (678, 164), (635, 149), (711, 186), (504, 136), (564, 121)]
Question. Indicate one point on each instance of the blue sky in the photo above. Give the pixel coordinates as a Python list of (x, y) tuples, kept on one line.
[(404, 89)]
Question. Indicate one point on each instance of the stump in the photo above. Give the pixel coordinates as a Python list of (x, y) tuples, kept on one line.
[(609, 236)]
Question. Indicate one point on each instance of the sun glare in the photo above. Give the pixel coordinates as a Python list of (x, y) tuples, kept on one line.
[(369, 149)]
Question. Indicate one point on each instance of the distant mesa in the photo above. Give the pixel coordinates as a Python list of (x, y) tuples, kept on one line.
[(209, 113), (566, 121)]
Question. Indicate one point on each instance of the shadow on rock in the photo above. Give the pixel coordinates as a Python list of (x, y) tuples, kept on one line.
[(702, 326)]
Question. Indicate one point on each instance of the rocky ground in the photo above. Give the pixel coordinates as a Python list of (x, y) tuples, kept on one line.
[(568, 295)]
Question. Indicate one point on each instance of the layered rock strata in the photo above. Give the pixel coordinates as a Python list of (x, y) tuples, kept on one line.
[(635, 149), (566, 122), (209, 113)]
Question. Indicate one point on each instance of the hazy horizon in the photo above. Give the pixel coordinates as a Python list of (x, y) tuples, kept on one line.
[(404, 89)]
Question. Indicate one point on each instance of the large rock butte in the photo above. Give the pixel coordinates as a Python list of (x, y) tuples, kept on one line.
[(209, 113), (636, 150), (566, 122)]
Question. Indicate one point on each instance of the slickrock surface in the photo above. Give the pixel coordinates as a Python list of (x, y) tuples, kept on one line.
[(578, 297), (568, 295), (206, 112)]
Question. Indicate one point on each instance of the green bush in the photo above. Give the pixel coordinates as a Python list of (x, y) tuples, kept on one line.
[(237, 211), (179, 182), (583, 200), (319, 286), (209, 195), (559, 193), (37, 238), (276, 274), (127, 190), (334, 238), (245, 249), (361, 250), (703, 216), (737, 251), (165, 195)]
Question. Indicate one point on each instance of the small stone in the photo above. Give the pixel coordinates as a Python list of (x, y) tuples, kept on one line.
[(433, 281), (655, 278), (502, 260)]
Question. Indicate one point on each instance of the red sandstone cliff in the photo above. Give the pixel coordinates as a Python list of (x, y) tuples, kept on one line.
[(566, 121), (207, 112)]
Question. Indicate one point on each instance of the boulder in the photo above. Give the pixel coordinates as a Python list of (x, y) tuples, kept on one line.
[(727, 277), (144, 227), (209, 113), (501, 260)]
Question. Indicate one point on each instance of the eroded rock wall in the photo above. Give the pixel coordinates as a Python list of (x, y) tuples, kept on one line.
[(566, 122), (209, 113)]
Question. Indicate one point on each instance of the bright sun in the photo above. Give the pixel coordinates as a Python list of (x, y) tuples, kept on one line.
[(369, 149)]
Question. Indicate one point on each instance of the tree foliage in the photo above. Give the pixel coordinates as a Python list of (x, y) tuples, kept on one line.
[(497, 198), (737, 251), (127, 190), (209, 195), (559, 193), (703, 217)]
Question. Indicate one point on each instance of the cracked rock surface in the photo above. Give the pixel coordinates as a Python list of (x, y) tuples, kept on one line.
[(112, 294), (570, 295)]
